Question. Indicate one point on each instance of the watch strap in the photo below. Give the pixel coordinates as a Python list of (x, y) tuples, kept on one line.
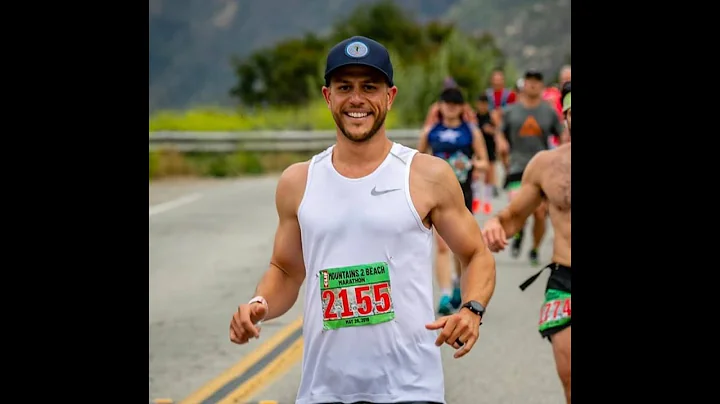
[(469, 306)]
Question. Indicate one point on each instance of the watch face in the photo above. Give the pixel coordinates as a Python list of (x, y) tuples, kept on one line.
[(477, 307)]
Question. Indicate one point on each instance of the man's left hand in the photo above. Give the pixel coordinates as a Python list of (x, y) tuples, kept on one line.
[(463, 326)]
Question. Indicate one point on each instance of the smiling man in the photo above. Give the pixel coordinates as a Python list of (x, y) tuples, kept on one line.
[(357, 222)]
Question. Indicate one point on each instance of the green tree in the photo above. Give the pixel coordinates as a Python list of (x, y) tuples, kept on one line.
[(460, 57), (291, 72), (278, 76), (386, 23)]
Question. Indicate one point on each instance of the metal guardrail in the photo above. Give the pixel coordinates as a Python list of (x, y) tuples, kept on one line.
[(267, 141)]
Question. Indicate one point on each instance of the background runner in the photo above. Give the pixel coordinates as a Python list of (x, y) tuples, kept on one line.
[(462, 145), (526, 127)]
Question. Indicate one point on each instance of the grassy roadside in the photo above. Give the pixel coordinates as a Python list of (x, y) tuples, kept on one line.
[(170, 163), (312, 117)]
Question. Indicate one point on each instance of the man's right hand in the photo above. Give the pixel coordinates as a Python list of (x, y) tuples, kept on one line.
[(494, 235), (243, 324)]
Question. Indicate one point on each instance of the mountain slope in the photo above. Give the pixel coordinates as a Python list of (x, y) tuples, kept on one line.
[(192, 41), (533, 33)]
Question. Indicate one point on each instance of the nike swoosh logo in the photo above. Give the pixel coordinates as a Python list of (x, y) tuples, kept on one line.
[(375, 192)]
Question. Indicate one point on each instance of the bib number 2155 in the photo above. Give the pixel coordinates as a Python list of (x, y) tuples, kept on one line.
[(356, 296)]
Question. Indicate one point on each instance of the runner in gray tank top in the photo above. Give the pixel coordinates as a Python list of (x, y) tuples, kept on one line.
[(527, 126)]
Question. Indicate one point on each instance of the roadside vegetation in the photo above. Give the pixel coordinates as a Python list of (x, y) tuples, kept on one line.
[(279, 87)]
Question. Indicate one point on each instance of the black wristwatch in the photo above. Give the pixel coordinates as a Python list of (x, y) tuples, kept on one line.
[(475, 307)]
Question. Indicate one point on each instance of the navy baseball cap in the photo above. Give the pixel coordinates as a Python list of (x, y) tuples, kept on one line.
[(359, 50)]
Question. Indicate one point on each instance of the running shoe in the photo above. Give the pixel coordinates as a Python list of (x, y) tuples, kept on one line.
[(534, 261), (445, 307), (516, 244), (486, 208), (456, 299)]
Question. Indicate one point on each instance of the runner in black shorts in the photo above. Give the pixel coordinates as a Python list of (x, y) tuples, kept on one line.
[(488, 130)]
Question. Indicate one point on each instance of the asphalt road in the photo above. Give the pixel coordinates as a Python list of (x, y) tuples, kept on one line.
[(210, 241)]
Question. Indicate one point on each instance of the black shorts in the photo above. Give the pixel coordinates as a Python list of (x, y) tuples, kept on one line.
[(513, 179), (555, 314), (490, 145), (468, 195)]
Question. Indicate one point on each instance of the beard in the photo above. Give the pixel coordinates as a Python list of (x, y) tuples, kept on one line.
[(363, 137)]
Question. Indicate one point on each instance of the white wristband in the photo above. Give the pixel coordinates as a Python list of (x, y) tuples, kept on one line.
[(260, 299)]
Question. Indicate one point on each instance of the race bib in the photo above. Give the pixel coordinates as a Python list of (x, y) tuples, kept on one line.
[(556, 311), (461, 165), (356, 296)]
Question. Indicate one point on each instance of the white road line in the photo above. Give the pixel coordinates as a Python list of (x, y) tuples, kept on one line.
[(164, 207)]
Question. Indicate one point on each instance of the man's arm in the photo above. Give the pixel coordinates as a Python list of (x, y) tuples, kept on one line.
[(469, 115), (456, 225), (496, 117), (500, 136), (557, 126), (281, 283), (528, 197), (488, 128), (423, 140), (478, 144), (433, 115)]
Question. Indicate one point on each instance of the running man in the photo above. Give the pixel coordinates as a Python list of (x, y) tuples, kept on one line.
[(461, 144), (526, 128), (498, 95), (546, 178), (356, 222), (501, 99), (482, 106)]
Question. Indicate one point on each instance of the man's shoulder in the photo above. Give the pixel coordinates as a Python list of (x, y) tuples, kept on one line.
[(547, 108), (539, 161), (294, 177), (291, 188), (542, 159), (515, 110), (429, 167)]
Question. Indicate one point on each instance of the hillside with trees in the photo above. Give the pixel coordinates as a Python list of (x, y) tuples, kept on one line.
[(199, 49)]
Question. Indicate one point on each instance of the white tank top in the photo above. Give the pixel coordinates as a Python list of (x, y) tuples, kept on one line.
[(363, 237)]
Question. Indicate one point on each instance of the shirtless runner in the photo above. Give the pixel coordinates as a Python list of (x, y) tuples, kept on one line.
[(547, 177)]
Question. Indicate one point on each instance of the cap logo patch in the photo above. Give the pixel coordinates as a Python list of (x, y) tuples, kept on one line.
[(356, 49)]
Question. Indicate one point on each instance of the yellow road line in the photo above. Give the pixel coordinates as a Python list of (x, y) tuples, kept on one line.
[(269, 374), (244, 364)]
